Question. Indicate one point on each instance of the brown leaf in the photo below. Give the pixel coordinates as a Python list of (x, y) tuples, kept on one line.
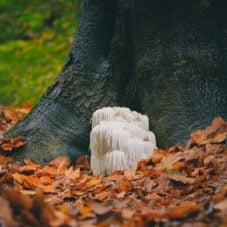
[(61, 163), (179, 184), (219, 138), (218, 122), (32, 163), (93, 182), (27, 169), (158, 156), (168, 162), (6, 214), (208, 159), (18, 200), (179, 177), (86, 209), (182, 210), (45, 180), (192, 154), (102, 195), (10, 115), (177, 165), (82, 162), (101, 209), (5, 160), (127, 213), (125, 185), (48, 170), (12, 143), (26, 181), (221, 205), (45, 213), (142, 166)]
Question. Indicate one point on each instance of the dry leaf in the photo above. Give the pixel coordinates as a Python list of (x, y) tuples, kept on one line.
[(178, 185)]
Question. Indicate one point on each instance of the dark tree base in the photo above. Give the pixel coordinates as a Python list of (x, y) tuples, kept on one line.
[(166, 59)]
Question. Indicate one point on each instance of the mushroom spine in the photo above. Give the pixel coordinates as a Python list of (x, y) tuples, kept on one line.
[(119, 139)]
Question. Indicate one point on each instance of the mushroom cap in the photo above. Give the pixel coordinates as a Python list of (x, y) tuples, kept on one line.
[(121, 114)]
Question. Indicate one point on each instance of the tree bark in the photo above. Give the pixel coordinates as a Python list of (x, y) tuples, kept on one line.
[(164, 58)]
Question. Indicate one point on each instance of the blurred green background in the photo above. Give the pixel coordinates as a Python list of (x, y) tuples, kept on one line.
[(35, 38)]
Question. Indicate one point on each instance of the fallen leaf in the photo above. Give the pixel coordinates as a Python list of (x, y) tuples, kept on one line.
[(125, 185), (12, 143), (127, 213), (180, 185), (183, 209), (219, 138), (85, 210), (101, 209), (61, 163), (82, 162), (221, 205), (181, 178), (6, 214)]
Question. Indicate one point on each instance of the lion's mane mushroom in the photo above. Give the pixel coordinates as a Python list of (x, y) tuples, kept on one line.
[(119, 139)]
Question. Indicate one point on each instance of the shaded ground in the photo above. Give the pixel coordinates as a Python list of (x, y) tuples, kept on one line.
[(183, 185)]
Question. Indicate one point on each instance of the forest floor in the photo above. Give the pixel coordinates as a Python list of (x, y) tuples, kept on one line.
[(185, 185)]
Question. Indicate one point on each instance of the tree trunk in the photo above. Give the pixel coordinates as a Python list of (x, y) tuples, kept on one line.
[(164, 58)]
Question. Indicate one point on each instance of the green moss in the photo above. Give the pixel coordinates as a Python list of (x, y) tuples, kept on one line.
[(34, 43)]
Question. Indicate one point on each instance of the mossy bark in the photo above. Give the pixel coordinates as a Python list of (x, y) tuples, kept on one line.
[(166, 59)]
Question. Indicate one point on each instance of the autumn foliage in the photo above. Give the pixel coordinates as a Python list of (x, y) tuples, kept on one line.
[(183, 185)]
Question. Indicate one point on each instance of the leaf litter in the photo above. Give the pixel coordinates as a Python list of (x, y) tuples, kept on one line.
[(185, 185)]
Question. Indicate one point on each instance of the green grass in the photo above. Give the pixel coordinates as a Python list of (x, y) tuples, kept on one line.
[(35, 40)]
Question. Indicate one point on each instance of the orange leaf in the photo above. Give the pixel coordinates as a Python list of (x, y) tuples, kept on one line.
[(128, 213), (93, 182), (11, 143), (158, 156), (125, 185), (102, 195), (219, 138), (61, 163), (183, 209), (5, 160), (179, 177), (82, 162), (86, 210)]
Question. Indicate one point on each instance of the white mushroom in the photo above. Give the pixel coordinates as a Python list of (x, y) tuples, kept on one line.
[(115, 160), (119, 139)]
